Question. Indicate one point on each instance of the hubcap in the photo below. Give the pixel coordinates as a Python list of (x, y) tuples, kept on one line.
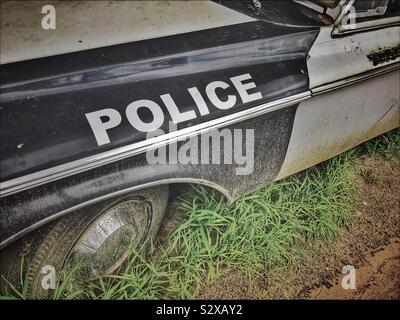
[(105, 243)]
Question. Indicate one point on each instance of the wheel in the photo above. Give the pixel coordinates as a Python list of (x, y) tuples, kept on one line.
[(93, 241)]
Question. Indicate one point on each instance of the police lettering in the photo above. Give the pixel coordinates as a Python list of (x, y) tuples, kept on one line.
[(102, 120)]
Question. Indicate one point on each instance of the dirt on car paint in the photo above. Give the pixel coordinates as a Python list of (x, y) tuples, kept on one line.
[(371, 245)]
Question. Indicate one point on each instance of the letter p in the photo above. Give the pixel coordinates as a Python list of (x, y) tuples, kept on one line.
[(100, 127)]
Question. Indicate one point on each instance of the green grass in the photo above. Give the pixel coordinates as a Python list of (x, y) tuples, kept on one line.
[(386, 146), (265, 230)]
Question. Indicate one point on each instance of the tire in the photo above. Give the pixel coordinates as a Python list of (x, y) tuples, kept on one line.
[(89, 243)]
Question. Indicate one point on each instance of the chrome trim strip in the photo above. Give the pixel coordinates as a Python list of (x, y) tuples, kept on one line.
[(366, 26), (84, 164), (354, 79), (345, 8), (78, 166), (340, 30)]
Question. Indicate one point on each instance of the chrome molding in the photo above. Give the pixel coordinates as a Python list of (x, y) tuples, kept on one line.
[(81, 165), (77, 166), (366, 26), (341, 30), (355, 79)]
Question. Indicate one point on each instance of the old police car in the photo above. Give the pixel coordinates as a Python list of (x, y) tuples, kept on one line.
[(86, 101)]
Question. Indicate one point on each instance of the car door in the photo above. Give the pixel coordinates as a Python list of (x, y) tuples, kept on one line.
[(353, 68)]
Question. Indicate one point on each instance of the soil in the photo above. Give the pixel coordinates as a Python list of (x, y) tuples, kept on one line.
[(371, 245), (378, 278)]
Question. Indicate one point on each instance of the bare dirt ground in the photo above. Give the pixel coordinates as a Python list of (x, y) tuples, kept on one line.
[(371, 245), (377, 278)]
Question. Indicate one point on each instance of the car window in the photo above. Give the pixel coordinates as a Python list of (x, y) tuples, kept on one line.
[(359, 15), (376, 9), (327, 3)]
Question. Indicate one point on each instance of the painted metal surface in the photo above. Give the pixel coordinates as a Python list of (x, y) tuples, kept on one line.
[(344, 100), (83, 25), (27, 210), (354, 99), (333, 122), (333, 59), (55, 173), (52, 96), (282, 12), (315, 122)]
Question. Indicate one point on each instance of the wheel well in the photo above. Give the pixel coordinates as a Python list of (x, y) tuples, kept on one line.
[(175, 184)]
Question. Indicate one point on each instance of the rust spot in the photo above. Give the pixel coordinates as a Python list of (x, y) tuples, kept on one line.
[(384, 55)]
